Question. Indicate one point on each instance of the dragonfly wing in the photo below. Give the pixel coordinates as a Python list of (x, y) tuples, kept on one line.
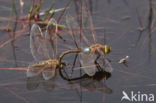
[(51, 34), (34, 71), (88, 63), (108, 66), (33, 82), (49, 74), (30, 73), (105, 64), (38, 44), (52, 24), (74, 31), (91, 84), (49, 85)]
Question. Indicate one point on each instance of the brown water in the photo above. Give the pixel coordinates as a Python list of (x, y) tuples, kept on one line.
[(121, 20)]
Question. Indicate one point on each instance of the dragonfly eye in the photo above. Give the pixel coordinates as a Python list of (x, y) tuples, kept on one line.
[(86, 50), (106, 49)]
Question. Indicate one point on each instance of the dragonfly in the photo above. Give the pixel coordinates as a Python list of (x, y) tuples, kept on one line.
[(92, 59), (41, 39), (92, 55)]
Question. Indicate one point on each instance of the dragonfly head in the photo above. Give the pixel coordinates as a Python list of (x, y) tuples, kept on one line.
[(106, 49)]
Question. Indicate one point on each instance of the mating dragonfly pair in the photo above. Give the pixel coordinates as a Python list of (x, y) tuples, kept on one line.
[(43, 43)]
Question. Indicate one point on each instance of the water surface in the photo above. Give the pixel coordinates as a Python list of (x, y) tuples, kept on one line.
[(120, 21)]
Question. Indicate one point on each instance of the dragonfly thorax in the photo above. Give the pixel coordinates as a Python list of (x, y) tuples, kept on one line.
[(86, 50), (95, 48), (52, 62)]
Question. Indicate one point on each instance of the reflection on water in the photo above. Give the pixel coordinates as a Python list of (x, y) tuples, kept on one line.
[(35, 81), (93, 83), (127, 26)]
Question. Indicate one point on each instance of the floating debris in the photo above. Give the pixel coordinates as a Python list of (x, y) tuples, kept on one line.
[(123, 60)]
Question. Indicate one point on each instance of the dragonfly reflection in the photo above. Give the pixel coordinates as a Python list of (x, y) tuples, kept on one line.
[(35, 81), (95, 83)]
